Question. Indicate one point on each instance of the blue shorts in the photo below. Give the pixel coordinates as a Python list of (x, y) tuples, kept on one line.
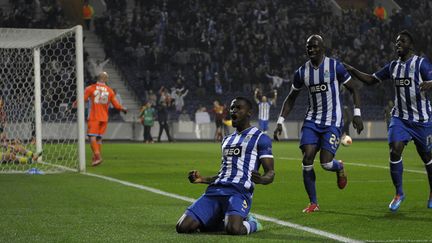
[(263, 125), (324, 137), (401, 130), (211, 210)]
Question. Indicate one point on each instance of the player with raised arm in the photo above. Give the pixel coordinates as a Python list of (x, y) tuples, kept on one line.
[(321, 131), (411, 115), (264, 105), (228, 198), (100, 96)]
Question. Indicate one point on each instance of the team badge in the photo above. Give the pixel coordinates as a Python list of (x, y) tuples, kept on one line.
[(326, 74), (247, 139)]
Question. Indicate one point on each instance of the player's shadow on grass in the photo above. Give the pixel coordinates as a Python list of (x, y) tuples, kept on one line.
[(405, 216), (269, 234)]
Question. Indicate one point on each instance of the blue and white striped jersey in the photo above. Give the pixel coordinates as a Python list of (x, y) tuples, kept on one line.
[(323, 83), (241, 154), (410, 103), (264, 110)]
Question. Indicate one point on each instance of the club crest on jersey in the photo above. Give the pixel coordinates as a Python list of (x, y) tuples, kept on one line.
[(318, 88), (403, 82), (326, 74), (232, 151), (412, 70), (247, 139)]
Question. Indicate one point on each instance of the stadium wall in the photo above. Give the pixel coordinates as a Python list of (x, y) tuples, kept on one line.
[(133, 131)]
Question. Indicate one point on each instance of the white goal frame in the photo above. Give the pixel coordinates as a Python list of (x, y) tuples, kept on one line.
[(11, 38)]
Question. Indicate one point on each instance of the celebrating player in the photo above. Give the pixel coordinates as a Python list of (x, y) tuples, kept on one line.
[(411, 114), (321, 129), (100, 96), (264, 105), (228, 198)]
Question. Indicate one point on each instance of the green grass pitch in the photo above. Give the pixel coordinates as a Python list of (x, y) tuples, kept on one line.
[(72, 207)]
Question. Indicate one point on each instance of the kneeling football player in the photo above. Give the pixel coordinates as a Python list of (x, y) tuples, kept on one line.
[(228, 198)]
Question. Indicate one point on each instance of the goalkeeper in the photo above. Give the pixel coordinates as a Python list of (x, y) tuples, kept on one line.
[(16, 153)]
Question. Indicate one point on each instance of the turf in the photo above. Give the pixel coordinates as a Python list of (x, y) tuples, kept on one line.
[(72, 207)]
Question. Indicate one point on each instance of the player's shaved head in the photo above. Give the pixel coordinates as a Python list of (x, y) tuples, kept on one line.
[(317, 38), (103, 77)]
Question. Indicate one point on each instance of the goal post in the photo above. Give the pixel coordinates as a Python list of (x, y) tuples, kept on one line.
[(41, 76)]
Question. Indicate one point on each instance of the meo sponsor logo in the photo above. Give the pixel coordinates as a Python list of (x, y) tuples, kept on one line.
[(403, 82), (232, 151), (318, 88)]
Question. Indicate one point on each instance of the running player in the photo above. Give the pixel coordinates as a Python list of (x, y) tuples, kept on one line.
[(411, 115), (100, 96), (321, 129), (227, 200)]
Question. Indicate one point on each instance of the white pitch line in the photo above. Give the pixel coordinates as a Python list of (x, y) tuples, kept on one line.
[(362, 165), (261, 217)]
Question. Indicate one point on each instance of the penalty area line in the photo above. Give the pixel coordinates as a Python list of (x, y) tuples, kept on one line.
[(259, 216)]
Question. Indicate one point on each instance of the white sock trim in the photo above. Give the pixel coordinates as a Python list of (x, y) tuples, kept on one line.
[(396, 162), (307, 167), (430, 162), (247, 226), (327, 166)]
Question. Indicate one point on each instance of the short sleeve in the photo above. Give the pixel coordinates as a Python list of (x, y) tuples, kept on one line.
[(264, 147), (384, 73), (298, 81), (426, 70), (342, 74), (87, 92)]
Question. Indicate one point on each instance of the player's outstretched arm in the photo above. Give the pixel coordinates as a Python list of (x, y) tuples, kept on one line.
[(357, 121), (195, 177), (286, 109), (268, 176), (364, 77)]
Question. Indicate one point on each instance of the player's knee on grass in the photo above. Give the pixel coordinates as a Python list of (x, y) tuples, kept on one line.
[(234, 228), (186, 225)]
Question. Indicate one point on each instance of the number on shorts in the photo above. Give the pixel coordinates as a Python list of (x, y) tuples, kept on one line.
[(429, 140), (334, 140)]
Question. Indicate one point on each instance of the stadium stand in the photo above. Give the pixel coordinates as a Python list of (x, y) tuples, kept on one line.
[(156, 43)]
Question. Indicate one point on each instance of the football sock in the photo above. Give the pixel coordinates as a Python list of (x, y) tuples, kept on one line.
[(428, 167), (29, 154), (95, 147), (251, 226), (396, 170), (309, 182), (22, 160), (333, 165)]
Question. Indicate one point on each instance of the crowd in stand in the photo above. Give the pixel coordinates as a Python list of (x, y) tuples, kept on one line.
[(221, 48), (33, 14), (229, 47)]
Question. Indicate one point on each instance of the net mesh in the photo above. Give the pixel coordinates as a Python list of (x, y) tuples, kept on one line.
[(17, 109)]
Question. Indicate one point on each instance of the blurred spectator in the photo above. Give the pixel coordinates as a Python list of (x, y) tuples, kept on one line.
[(219, 114), (380, 12), (162, 116), (147, 117), (96, 67), (178, 96), (87, 13)]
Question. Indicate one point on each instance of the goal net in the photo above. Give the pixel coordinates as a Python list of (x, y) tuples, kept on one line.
[(41, 77)]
